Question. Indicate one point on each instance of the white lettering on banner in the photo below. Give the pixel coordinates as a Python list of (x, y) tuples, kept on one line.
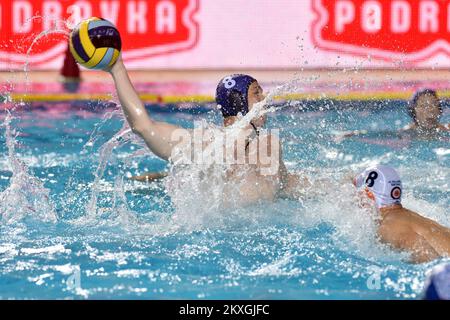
[(80, 10), (74, 16), (429, 16), (345, 14), (166, 14), (156, 28), (136, 20), (22, 12), (400, 16), (371, 16), (85, 9), (135, 13), (109, 10), (51, 10)]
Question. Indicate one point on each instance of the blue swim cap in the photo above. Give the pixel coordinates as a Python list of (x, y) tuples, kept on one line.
[(437, 286), (232, 94)]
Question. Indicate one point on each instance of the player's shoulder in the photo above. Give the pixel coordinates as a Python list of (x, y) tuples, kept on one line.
[(395, 227), (400, 217)]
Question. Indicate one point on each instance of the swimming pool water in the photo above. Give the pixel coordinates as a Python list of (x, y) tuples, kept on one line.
[(114, 238)]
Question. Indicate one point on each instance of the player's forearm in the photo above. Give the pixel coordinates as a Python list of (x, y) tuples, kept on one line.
[(132, 105), (155, 134)]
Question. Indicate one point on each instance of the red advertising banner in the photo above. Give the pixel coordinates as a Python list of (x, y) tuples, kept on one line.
[(39, 28), (236, 34), (408, 30)]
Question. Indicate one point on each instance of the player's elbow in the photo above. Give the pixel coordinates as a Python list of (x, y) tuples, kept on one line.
[(138, 129)]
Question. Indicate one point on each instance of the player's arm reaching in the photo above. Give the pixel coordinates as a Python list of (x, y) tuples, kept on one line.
[(293, 185), (157, 135), (297, 185)]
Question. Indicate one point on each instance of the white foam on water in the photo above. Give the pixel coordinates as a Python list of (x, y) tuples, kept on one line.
[(48, 250), (8, 250), (279, 267), (66, 269), (40, 280), (47, 160)]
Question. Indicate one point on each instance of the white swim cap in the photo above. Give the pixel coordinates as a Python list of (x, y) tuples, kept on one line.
[(384, 183)]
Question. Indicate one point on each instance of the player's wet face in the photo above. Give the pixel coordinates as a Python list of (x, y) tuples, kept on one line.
[(427, 111), (255, 95)]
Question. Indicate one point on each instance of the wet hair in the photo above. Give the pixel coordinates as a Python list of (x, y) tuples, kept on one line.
[(412, 105)]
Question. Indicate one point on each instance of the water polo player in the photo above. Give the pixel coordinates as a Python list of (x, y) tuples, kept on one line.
[(399, 227), (235, 95), (425, 109)]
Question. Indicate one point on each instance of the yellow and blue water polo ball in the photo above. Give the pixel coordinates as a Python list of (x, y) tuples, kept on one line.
[(95, 43)]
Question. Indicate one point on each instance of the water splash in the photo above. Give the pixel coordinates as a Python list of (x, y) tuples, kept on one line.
[(55, 29), (26, 195), (41, 35), (208, 181), (87, 149), (105, 153), (45, 33)]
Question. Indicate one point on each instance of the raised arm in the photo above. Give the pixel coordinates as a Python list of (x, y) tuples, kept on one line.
[(157, 135)]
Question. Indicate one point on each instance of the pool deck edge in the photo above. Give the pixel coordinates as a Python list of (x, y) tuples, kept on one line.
[(178, 86)]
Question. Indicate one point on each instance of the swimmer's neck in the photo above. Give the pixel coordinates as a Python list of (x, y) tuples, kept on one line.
[(229, 121), (384, 211)]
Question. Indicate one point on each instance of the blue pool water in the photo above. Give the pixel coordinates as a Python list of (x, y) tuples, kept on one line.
[(74, 226)]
